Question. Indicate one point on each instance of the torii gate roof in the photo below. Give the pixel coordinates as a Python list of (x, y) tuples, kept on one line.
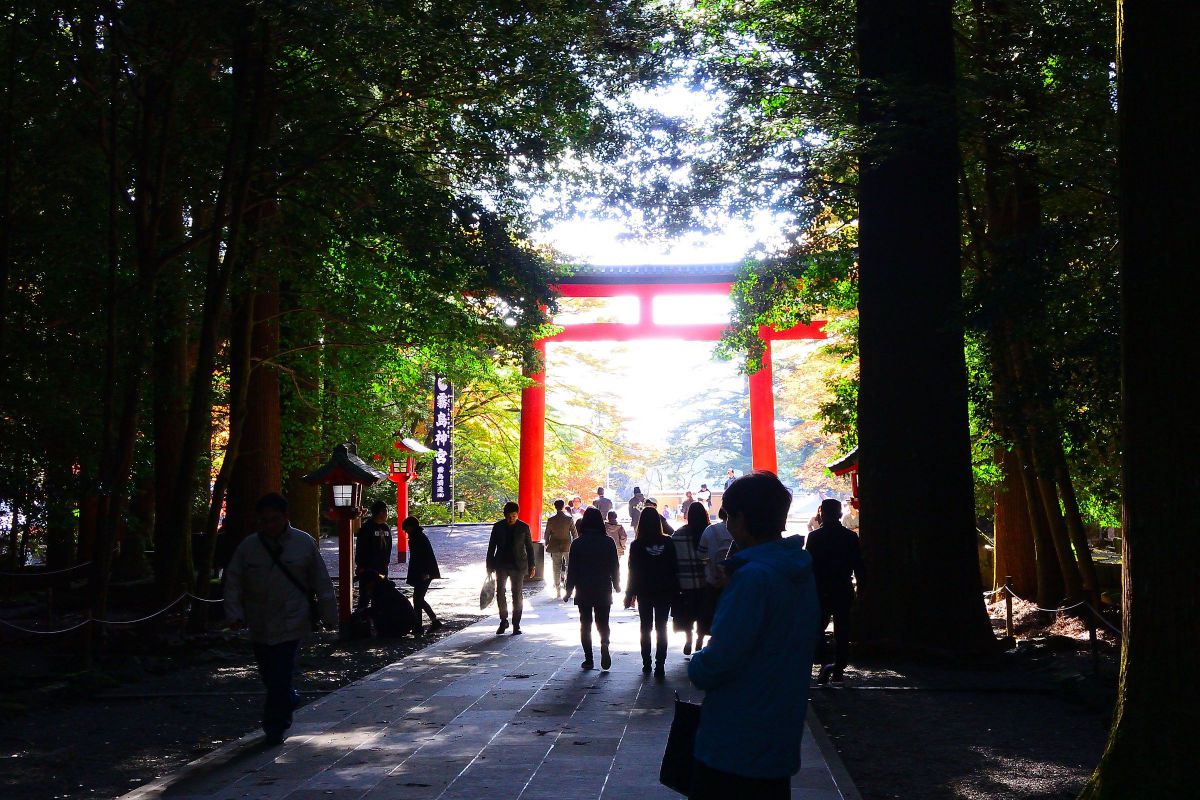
[(651, 274), (647, 282)]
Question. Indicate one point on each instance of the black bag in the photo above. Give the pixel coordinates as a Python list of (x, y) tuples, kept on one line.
[(679, 759), (359, 626), (391, 611), (314, 607)]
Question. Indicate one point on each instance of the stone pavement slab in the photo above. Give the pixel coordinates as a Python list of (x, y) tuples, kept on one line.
[(479, 715)]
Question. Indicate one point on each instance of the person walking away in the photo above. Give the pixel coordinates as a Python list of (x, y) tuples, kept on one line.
[(593, 574), (510, 556), (713, 549), (422, 570), (372, 552), (653, 582), (836, 557), (268, 584), (652, 504), (686, 608), (560, 532), (755, 669), (636, 504), (602, 503), (616, 532)]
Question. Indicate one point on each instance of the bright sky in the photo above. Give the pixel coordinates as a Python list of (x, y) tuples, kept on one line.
[(679, 366)]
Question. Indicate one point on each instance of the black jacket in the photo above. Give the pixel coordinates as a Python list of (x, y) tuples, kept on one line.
[(373, 547), (593, 570), (510, 548), (836, 556), (652, 569), (421, 560)]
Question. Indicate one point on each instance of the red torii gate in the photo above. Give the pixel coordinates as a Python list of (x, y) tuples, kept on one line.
[(645, 284)]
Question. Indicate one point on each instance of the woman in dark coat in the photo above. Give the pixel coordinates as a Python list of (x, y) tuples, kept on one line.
[(593, 574), (653, 582), (422, 569)]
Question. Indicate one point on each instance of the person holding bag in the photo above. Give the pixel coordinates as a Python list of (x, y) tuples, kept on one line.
[(271, 580), (756, 668)]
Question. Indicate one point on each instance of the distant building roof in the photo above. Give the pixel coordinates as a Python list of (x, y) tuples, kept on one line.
[(653, 273)]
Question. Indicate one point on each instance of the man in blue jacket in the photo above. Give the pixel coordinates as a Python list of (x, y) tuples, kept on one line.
[(755, 670)]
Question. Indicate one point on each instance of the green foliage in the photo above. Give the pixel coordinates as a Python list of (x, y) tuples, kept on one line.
[(384, 153)]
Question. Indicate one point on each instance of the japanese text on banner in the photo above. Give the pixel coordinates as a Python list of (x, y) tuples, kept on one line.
[(443, 454)]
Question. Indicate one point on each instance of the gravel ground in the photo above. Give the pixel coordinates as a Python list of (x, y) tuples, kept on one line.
[(1029, 725), (153, 706)]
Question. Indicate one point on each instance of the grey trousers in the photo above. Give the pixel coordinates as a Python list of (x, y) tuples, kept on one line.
[(503, 577)]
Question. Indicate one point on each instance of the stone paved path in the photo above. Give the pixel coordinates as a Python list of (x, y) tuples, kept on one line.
[(484, 716)]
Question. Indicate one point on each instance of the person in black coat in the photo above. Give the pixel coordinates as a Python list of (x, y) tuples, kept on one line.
[(836, 557), (593, 574), (422, 569), (372, 552), (653, 582)]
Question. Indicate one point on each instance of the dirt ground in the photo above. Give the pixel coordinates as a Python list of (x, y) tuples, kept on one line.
[(1029, 725), (137, 717)]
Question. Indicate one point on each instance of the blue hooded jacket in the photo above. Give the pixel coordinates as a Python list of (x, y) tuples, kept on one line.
[(755, 670)]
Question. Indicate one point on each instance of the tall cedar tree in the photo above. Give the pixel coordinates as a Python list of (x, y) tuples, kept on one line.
[(922, 586), (1154, 735)]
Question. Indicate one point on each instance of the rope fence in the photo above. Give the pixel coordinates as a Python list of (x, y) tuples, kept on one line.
[(1091, 618), (46, 573), (116, 622)]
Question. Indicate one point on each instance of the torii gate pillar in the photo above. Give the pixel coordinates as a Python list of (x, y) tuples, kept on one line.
[(533, 447), (762, 415)]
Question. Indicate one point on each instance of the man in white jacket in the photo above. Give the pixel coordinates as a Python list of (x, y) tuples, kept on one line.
[(270, 579)]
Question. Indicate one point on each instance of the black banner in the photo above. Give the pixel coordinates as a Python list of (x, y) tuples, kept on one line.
[(443, 452)]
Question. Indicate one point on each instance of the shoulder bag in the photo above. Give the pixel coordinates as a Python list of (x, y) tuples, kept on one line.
[(314, 607), (679, 760)]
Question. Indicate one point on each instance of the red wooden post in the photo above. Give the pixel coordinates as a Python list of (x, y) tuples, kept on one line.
[(533, 448), (401, 513), (762, 415), (403, 470)]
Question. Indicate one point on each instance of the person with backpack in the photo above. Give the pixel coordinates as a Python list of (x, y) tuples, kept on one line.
[(275, 583), (593, 574), (652, 585), (422, 570)]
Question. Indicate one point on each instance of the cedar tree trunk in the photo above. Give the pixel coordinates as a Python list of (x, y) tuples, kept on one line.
[(1154, 738), (922, 586)]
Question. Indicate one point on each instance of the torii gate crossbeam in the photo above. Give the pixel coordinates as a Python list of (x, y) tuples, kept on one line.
[(645, 284)]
